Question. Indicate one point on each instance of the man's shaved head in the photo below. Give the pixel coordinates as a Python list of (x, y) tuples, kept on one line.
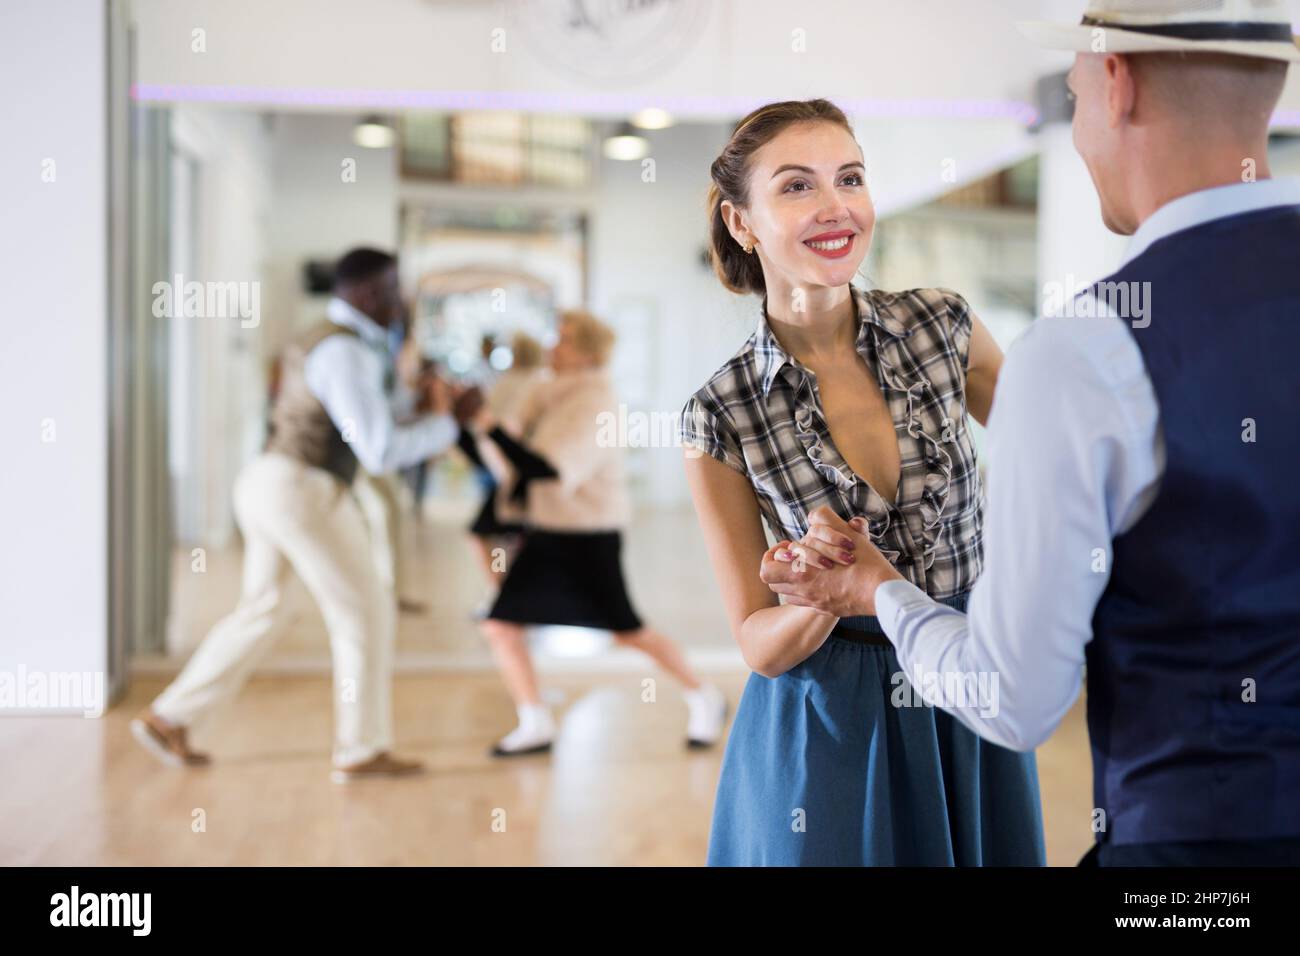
[(1152, 126), (1208, 89)]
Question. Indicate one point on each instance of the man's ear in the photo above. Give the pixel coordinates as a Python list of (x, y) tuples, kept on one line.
[(1121, 92)]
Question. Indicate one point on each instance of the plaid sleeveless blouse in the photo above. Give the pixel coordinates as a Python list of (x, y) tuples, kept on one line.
[(761, 414)]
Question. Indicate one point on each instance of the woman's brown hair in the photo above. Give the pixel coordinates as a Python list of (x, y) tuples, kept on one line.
[(740, 271)]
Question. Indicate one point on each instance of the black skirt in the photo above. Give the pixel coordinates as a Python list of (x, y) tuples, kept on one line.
[(567, 577)]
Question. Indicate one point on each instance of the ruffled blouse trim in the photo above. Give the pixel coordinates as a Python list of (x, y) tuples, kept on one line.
[(938, 462), (812, 432)]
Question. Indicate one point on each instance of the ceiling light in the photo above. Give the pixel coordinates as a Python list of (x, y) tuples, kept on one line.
[(626, 144), (373, 133), (652, 118)]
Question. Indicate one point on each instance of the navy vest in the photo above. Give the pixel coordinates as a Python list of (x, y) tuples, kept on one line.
[(1202, 610)]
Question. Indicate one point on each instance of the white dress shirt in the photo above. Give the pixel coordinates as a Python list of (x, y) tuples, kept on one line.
[(347, 375), (1076, 454)]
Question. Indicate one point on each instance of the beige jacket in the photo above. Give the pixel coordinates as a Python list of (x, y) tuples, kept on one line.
[(510, 389), (561, 420)]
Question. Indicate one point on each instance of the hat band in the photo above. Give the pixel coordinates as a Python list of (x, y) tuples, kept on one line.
[(1234, 30)]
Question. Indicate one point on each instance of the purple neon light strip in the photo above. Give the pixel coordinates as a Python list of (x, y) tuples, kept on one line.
[(617, 104), (445, 100)]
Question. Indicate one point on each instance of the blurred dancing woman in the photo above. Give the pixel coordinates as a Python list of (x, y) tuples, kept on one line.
[(488, 531), (568, 570), (856, 401)]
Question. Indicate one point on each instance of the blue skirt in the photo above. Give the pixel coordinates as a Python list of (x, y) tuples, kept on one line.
[(822, 769)]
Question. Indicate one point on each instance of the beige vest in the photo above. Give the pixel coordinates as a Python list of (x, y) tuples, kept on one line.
[(300, 426)]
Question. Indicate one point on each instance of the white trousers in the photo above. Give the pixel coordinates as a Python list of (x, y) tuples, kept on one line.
[(382, 500), (337, 540)]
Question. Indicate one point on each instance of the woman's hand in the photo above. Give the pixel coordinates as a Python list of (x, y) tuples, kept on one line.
[(482, 422), (844, 589), (438, 397), (467, 403), (827, 542)]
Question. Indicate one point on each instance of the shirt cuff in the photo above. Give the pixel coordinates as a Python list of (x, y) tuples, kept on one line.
[(895, 598), (428, 436)]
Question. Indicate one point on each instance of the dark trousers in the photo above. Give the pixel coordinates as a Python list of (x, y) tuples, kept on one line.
[(1280, 851)]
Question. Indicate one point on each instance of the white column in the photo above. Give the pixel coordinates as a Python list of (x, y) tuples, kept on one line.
[(53, 358), (1074, 247)]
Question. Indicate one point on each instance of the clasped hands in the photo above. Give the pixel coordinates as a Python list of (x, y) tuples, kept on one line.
[(441, 397), (436, 396), (834, 568)]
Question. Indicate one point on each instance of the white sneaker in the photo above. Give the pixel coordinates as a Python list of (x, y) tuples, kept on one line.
[(534, 735), (480, 611), (708, 716)]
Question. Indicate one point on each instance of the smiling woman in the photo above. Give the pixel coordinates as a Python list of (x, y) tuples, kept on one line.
[(856, 401), (733, 244)]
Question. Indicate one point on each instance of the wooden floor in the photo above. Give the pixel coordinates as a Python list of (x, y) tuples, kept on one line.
[(620, 789)]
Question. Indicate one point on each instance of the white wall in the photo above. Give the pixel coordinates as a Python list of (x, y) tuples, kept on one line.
[(646, 245), (53, 553), (222, 360), (736, 49), (316, 214), (439, 53), (1074, 247), (1284, 159)]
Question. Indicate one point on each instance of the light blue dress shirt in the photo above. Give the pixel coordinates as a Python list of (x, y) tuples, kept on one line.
[(1075, 456), (347, 375)]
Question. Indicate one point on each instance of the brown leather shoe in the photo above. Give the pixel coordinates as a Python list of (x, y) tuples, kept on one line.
[(166, 742), (381, 765)]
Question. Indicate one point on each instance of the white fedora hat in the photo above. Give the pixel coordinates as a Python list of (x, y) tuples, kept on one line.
[(1244, 27)]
